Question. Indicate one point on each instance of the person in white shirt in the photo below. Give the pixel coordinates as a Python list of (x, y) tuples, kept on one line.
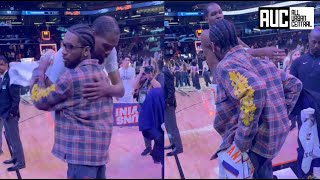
[(127, 74)]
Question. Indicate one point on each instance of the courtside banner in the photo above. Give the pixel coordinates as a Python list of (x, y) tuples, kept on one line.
[(125, 114), (301, 18)]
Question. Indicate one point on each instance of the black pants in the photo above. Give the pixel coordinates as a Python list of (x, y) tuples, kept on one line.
[(157, 152), (147, 143), (170, 122), (196, 81), (262, 166), (185, 78), (179, 82), (76, 171), (206, 77), (12, 131)]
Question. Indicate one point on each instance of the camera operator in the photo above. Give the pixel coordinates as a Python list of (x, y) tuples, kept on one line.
[(147, 79)]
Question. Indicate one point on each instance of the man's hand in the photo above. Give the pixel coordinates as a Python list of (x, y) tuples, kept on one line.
[(46, 59), (97, 89), (274, 53)]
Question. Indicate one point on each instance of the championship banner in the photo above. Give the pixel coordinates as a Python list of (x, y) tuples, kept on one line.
[(125, 114)]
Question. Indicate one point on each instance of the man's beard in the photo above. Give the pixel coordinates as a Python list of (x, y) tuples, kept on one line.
[(315, 52)]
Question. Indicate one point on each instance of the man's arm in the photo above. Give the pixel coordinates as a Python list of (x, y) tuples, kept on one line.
[(47, 98), (250, 91), (14, 91), (117, 89), (299, 104), (292, 88), (99, 88), (111, 65), (271, 52)]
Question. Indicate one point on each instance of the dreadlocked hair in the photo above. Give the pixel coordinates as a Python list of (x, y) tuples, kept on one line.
[(85, 35), (223, 34)]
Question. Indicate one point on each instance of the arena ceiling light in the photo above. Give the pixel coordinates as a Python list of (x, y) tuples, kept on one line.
[(138, 15), (15, 23)]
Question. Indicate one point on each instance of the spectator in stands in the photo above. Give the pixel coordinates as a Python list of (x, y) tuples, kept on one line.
[(177, 73), (292, 55), (185, 75), (195, 75), (127, 74), (206, 75)]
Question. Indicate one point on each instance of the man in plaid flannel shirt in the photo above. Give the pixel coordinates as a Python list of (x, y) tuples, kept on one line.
[(83, 130), (254, 99)]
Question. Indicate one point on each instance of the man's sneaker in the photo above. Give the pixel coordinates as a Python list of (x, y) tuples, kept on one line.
[(312, 176), (146, 152)]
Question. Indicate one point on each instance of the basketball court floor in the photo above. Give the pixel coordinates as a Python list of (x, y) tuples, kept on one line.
[(195, 115), (36, 132)]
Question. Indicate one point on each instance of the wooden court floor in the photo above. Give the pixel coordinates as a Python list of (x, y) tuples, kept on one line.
[(195, 117), (36, 132)]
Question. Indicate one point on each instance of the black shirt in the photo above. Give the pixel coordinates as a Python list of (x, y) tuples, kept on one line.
[(169, 90), (307, 69)]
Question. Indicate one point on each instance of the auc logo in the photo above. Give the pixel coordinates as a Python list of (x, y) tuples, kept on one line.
[(286, 18)]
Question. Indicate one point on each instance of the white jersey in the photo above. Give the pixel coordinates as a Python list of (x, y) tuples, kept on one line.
[(127, 75)]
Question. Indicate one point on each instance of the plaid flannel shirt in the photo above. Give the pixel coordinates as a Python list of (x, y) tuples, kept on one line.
[(254, 99), (83, 131)]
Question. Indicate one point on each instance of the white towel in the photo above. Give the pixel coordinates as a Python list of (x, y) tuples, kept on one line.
[(21, 72), (308, 136), (57, 68)]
